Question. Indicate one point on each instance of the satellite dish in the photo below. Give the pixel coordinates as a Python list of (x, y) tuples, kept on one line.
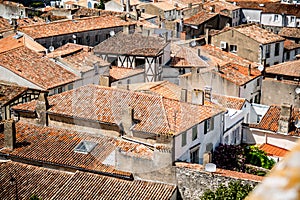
[(51, 48), (112, 33), (297, 90), (74, 36), (260, 68), (193, 43)]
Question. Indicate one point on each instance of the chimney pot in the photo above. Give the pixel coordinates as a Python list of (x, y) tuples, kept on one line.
[(183, 95), (41, 108)]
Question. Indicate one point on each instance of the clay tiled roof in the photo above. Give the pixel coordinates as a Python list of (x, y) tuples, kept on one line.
[(164, 5), (131, 44), (272, 150), (293, 32), (237, 74), (54, 184), (8, 92), (78, 57), (118, 73), (290, 68), (186, 57), (258, 34), (35, 68), (220, 6), (93, 186), (73, 26), (221, 172), (223, 57), (229, 101), (154, 113), (271, 118), (30, 21), (30, 180), (19, 40), (4, 25), (200, 18), (290, 45), (56, 147)]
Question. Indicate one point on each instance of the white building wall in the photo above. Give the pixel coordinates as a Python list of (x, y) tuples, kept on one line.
[(250, 15), (251, 89), (272, 19), (273, 59), (214, 137)]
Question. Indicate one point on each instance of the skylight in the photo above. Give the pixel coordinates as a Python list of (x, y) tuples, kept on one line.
[(85, 147)]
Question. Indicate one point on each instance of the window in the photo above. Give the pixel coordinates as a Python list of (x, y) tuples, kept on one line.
[(277, 46), (195, 133), (257, 98), (287, 55), (97, 38), (70, 86), (275, 17), (208, 125), (87, 39), (183, 139), (85, 147), (233, 48), (292, 19), (268, 47), (257, 82), (195, 156)]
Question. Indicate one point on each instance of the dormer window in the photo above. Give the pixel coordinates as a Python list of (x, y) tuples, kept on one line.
[(85, 147), (276, 17)]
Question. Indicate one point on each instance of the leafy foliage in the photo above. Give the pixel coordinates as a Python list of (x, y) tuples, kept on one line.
[(101, 5), (34, 197), (257, 157), (234, 191)]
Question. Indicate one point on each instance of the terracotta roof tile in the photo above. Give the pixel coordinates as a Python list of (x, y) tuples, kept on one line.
[(258, 34), (229, 101), (30, 21), (54, 184), (290, 68), (118, 73), (186, 57), (131, 44), (200, 18), (290, 45), (272, 150), (237, 74), (271, 118), (4, 25), (221, 6), (8, 92), (32, 141), (35, 68), (155, 113), (73, 26), (292, 32)]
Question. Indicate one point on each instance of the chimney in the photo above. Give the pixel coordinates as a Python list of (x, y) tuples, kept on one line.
[(41, 109), (197, 97), (9, 134), (183, 96), (126, 29), (127, 5), (207, 36), (207, 93), (127, 120), (166, 37), (199, 53), (249, 70), (284, 118), (104, 80)]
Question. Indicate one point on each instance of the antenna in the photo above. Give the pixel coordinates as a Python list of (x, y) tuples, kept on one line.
[(112, 33), (51, 48)]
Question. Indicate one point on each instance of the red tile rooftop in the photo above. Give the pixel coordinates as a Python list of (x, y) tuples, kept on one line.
[(272, 150), (8, 92), (74, 26), (35, 68), (290, 68), (229, 101), (118, 73), (155, 113), (200, 18), (291, 45), (221, 172), (292, 32)]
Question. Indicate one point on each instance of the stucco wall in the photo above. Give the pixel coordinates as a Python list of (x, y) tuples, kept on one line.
[(277, 92)]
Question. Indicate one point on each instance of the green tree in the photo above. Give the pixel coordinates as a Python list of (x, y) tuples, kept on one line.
[(34, 197), (101, 5), (257, 157), (234, 191)]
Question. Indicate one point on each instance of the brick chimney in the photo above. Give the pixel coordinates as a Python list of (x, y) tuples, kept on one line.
[(41, 109), (284, 118), (9, 134), (198, 97), (127, 120)]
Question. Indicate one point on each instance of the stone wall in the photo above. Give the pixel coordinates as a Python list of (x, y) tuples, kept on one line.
[(192, 183)]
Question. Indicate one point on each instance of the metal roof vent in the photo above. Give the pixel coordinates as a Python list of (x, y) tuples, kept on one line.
[(18, 35), (85, 147)]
